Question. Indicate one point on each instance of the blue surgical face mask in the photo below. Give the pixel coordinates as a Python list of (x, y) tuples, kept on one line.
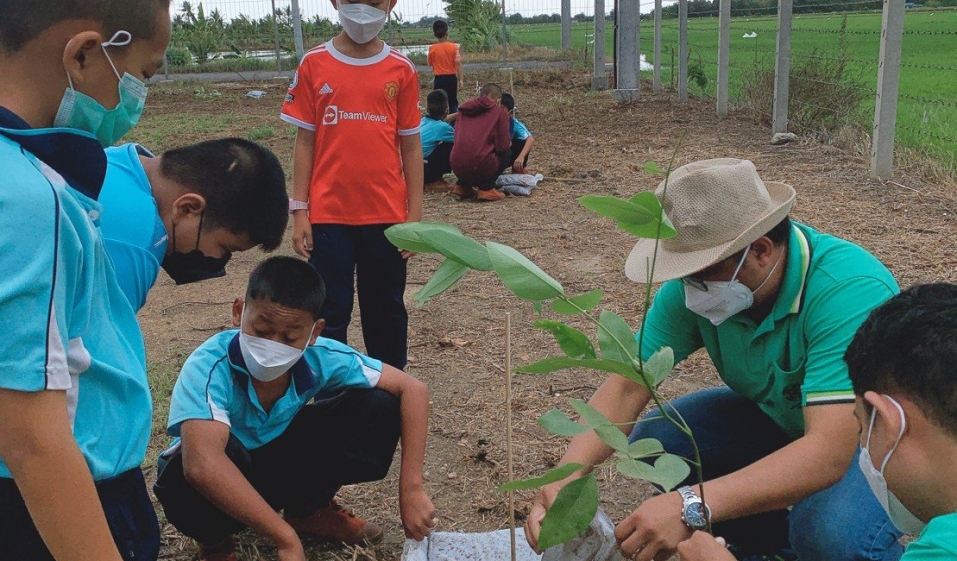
[(82, 112)]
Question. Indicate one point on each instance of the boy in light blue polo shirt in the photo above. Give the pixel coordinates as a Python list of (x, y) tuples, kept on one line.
[(522, 139), (437, 139), (188, 210), (249, 443)]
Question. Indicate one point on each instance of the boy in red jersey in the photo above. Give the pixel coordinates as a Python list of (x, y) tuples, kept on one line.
[(357, 170)]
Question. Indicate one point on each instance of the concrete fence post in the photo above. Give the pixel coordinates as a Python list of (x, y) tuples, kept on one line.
[(566, 24), (275, 36), (656, 74), (683, 51), (599, 80), (629, 47), (782, 68), (297, 28), (724, 55), (888, 79)]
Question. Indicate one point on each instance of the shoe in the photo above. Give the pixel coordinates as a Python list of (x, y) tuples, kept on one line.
[(439, 186), (462, 192), (336, 524), (490, 195), (222, 551)]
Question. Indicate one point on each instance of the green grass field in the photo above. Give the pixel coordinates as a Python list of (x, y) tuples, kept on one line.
[(927, 111)]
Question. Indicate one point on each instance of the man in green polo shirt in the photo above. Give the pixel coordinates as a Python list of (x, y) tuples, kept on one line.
[(775, 304), (903, 364)]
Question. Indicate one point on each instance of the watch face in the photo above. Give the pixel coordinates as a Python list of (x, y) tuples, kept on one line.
[(694, 516)]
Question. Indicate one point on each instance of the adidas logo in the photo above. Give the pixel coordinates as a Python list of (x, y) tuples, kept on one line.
[(325, 89)]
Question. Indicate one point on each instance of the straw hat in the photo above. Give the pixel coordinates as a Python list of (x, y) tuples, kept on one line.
[(718, 207)]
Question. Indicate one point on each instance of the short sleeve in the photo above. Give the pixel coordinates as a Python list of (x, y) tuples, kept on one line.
[(832, 318), (431, 57), (341, 366), (446, 133), (203, 390), (521, 132), (34, 303), (299, 107), (408, 105), (670, 324)]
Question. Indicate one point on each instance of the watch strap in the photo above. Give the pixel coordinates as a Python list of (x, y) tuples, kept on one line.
[(297, 205)]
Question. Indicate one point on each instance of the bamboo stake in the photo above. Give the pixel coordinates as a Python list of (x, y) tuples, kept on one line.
[(508, 427)]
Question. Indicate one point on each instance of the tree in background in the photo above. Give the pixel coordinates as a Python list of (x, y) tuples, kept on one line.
[(477, 22)]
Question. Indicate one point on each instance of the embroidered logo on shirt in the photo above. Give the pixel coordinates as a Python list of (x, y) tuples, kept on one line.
[(391, 90), (290, 98), (331, 115), (325, 89)]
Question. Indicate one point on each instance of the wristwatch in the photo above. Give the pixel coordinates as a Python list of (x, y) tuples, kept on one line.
[(694, 513), (295, 205)]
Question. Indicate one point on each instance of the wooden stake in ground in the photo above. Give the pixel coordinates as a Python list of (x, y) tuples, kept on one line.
[(508, 426)]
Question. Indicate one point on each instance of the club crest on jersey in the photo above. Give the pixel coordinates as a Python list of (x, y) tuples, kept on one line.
[(391, 91)]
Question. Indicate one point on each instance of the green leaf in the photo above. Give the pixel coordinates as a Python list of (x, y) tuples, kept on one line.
[(616, 330), (557, 422), (660, 365), (458, 247), (585, 301), (571, 514), (550, 476), (612, 436), (671, 471), (651, 168), (636, 470), (648, 201), (628, 215), (448, 273), (521, 276), (549, 365), (644, 447), (609, 434), (573, 342), (591, 415), (537, 304), (406, 236)]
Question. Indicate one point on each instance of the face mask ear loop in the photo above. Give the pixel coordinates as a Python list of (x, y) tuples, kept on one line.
[(900, 435), (116, 42), (741, 263), (767, 278)]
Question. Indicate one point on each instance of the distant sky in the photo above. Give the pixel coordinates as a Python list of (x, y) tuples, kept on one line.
[(411, 10)]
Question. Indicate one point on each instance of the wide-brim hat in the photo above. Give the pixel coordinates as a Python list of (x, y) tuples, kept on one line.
[(718, 207)]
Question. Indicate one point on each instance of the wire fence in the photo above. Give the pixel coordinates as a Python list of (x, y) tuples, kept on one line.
[(834, 56)]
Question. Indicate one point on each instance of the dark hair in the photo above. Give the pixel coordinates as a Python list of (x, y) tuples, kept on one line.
[(909, 344), (242, 182), (508, 102), (778, 235), (440, 28), (290, 282), (491, 90), (438, 104), (25, 20)]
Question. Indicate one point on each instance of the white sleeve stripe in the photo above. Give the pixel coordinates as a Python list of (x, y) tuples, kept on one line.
[(409, 132), (372, 375), (404, 59), (218, 414), (297, 122), (57, 366)]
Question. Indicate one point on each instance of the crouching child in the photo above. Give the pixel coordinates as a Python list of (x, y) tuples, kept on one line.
[(249, 443)]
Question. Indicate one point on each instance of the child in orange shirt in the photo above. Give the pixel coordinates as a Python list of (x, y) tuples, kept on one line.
[(446, 63), (357, 170)]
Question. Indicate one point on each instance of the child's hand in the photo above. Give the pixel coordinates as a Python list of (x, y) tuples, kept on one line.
[(517, 167), (291, 553), (301, 233), (418, 514), (704, 547), (407, 254)]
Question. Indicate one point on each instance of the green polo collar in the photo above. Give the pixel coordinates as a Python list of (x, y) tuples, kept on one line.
[(791, 297)]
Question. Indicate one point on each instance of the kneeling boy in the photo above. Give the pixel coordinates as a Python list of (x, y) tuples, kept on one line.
[(521, 137), (247, 444), (437, 138)]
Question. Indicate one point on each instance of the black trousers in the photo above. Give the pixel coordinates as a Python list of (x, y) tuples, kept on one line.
[(126, 503), (449, 83), (345, 439), (437, 163), (517, 147)]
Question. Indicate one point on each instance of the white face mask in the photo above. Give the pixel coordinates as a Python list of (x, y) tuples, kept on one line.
[(718, 300), (266, 359), (902, 518), (361, 23)]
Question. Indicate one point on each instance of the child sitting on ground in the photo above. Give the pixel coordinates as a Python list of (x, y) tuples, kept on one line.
[(437, 138), (522, 139), (247, 444), (482, 147), (446, 62)]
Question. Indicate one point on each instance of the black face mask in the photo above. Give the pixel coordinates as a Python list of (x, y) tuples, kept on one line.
[(195, 265)]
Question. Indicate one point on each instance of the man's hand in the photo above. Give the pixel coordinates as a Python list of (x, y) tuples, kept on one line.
[(704, 547), (418, 514), (301, 233), (543, 501), (654, 530), (291, 549), (407, 254), (517, 167)]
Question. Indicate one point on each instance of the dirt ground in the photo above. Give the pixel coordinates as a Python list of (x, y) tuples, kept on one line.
[(585, 144)]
